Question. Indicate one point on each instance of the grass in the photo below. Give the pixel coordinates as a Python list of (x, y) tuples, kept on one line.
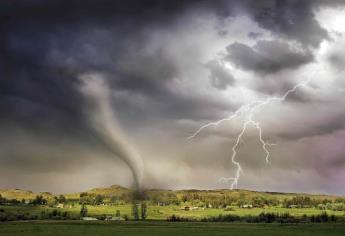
[(66, 228), (162, 212)]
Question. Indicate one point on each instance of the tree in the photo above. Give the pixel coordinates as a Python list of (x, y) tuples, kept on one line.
[(126, 197), (118, 213), (339, 200), (99, 199), (39, 200), (184, 198), (113, 199), (83, 211), (85, 199), (135, 211), (52, 201), (143, 211), (61, 199), (241, 202)]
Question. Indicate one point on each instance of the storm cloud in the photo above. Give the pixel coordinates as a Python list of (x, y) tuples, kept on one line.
[(293, 19), (219, 77), (267, 56), (170, 67)]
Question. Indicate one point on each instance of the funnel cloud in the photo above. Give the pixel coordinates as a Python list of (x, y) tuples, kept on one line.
[(102, 120)]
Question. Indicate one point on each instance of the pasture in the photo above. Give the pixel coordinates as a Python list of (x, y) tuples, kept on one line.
[(77, 228), (163, 212)]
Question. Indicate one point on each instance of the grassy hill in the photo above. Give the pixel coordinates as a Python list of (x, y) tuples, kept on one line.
[(118, 191), (22, 194), (114, 190)]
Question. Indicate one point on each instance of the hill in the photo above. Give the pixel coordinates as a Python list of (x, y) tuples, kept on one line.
[(118, 191), (22, 194)]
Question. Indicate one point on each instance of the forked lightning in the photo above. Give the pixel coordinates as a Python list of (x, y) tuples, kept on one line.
[(248, 111)]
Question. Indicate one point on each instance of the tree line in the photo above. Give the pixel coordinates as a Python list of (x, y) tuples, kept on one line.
[(263, 217), (206, 200)]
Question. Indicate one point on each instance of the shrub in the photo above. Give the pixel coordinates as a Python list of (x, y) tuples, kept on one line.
[(83, 211), (175, 218)]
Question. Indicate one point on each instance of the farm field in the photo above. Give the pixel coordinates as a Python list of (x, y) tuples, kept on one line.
[(163, 212), (162, 204), (166, 229)]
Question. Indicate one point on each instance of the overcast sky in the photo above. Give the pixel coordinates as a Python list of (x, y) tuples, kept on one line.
[(171, 67)]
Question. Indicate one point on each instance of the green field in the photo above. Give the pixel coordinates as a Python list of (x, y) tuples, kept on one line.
[(163, 212), (166, 229), (52, 219)]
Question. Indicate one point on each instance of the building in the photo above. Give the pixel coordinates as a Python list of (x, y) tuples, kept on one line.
[(247, 206), (89, 218)]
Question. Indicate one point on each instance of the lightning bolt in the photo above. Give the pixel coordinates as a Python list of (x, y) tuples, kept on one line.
[(248, 111)]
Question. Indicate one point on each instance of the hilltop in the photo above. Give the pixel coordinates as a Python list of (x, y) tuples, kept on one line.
[(120, 191), (23, 194)]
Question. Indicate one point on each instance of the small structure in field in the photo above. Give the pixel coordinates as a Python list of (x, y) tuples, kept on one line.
[(89, 218), (247, 206), (189, 208), (60, 205)]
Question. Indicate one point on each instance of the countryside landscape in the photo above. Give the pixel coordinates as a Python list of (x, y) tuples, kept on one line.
[(116, 203), (172, 117), (240, 211)]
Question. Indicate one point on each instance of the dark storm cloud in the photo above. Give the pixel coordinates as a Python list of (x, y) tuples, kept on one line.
[(293, 19), (45, 45), (43, 58), (48, 43), (267, 57)]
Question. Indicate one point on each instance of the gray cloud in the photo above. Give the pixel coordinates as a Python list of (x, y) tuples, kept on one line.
[(220, 78), (291, 18), (162, 61), (254, 35), (337, 60), (267, 57)]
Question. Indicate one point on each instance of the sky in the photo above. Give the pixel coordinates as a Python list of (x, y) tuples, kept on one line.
[(94, 91)]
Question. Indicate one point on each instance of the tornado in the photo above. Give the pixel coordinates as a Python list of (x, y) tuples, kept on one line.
[(102, 119)]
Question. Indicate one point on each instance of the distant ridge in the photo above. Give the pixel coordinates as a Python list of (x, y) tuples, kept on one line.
[(22, 194), (118, 190)]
